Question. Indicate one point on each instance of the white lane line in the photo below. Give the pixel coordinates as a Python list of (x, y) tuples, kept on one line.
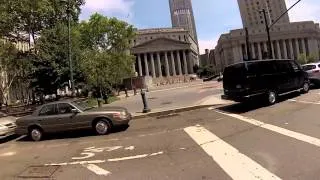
[(103, 161), (237, 165), (304, 102), (128, 158), (97, 170), (8, 154), (283, 131)]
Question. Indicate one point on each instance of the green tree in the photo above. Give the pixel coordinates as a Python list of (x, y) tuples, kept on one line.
[(29, 17), (51, 67), (106, 60), (302, 58), (13, 66)]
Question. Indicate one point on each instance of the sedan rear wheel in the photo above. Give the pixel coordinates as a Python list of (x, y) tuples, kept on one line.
[(102, 127), (35, 134)]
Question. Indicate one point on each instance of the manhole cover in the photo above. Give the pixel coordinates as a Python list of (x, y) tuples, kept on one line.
[(166, 103), (38, 172)]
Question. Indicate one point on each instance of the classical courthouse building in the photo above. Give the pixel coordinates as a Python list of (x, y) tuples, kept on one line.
[(168, 52), (289, 39)]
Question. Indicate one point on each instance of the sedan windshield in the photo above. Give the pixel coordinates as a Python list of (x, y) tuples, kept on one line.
[(82, 105)]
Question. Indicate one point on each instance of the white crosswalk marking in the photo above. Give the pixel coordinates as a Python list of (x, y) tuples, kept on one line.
[(280, 130), (97, 170), (237, 165)]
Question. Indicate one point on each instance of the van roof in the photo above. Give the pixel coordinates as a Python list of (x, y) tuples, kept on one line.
[(260, 61)]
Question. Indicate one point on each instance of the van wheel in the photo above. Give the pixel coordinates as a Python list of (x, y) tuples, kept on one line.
[(306, 87), (272, 97)]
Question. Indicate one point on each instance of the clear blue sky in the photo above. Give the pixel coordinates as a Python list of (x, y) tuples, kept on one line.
[(213, 17)]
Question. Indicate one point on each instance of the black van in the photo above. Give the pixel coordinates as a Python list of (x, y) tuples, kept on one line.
[(266, 78)]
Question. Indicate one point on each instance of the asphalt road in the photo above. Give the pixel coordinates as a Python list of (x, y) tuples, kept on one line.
[(171, 98), (239, 141)]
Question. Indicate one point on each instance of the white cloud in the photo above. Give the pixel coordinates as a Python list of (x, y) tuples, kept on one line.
[(207, 44), (306, 10), (110, 6)]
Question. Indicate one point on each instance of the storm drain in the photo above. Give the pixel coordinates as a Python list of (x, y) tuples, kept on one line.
[(38, 172)]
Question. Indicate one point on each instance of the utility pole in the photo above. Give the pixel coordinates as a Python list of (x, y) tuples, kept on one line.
[(69, 44), (268, 27), (248, 44), (268, 32)]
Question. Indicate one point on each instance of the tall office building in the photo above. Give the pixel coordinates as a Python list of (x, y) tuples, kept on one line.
[(251, 17), (182, 16)]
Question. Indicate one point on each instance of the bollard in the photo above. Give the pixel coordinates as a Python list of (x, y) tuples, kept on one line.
[(126, 91), (145, 103), (134, 91)]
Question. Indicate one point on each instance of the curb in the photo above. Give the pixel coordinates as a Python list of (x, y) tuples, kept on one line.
[(171, 111)]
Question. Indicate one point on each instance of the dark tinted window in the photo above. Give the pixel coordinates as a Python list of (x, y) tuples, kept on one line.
[(294, 65), (234, 74), (253, 68), (267, 67), (48, 110), (283, 66), (309, 67), (64, 108)]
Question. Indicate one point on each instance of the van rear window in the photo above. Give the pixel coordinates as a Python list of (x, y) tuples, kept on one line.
[(235, 73)]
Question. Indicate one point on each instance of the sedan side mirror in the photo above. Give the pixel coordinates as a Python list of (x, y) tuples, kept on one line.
[(75, 111)]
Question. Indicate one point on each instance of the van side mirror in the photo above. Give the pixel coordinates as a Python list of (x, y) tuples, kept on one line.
[(74, 111)]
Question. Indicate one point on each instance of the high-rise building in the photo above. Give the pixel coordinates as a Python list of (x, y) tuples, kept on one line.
[(252, 17), (182, 16)]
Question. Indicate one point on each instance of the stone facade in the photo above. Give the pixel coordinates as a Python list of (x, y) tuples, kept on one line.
[(164, 52), (288, 42), (251, 17)]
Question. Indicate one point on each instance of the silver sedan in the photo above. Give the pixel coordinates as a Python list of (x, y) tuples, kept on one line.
[(7, 126)]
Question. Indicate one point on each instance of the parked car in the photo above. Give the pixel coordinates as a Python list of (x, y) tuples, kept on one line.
[(266, 78), (7, 126), (313, 70), (71, 115)]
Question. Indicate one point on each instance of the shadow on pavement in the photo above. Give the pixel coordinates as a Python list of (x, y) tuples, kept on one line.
[(7, 139), (75, 134), (254, 104)]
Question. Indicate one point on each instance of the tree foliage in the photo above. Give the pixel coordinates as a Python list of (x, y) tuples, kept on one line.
[(106, 61), (304, 59), (29, 17)]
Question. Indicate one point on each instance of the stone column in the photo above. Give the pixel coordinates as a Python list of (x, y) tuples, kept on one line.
[(297, 47), (304, 49), (272, 50), (285, 51), (259, 51), (146, 66), (173, 64), (291, 49), (139, 65), (241, 54), (191, 62), (153, 69), (265, 47), (185, 67), (253, 51), (179, 63), (159, 64), (166, 63), (278, 50)]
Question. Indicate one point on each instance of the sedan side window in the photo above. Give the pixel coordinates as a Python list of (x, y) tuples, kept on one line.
[(65, 108), (48, 110)]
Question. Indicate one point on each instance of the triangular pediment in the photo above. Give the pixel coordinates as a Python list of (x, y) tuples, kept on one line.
[(160, 44)]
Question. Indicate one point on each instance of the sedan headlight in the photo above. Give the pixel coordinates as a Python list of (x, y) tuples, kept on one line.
[(120, 115)]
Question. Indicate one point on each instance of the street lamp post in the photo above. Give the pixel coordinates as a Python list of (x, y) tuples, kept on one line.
[(69, 44)]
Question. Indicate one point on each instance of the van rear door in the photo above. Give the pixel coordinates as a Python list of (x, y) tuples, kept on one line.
[(234, 78)]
